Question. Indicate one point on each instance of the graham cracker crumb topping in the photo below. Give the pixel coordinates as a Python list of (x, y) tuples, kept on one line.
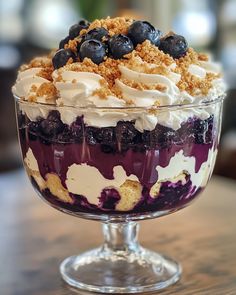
[(72, 45), (142, 86), (145, 58), (190, 83), (46, 90), (118, 25)]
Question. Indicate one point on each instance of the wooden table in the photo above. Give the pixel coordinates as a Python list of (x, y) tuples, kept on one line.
[(35, 238)]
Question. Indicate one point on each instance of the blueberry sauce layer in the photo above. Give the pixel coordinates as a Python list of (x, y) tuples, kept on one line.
[(57, 146), (172, 197)]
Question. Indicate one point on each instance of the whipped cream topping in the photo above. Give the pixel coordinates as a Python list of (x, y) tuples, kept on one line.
[(26, 80), (29, 80), (77, 89)]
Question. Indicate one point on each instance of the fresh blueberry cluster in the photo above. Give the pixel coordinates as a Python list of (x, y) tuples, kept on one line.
[(96, 44), (120, 138)]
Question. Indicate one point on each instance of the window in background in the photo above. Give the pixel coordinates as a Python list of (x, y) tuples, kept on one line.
[(29, 28), (196, 21), (11, 34), (48, 21)]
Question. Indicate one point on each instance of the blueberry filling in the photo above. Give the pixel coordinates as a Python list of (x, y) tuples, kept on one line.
[(123, 136), (58, 146)]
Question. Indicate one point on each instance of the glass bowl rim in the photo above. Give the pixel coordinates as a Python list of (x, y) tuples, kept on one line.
[(200, 104)]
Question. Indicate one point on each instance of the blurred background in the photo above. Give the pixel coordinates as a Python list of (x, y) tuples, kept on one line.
[(32, 27)]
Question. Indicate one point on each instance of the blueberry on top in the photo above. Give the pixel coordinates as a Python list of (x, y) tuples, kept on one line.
[(75, 29), (140, 31), (61, 57), (97, 33), (119, 45), (63, 42), (174, 45), (94, 50), (81, 41)]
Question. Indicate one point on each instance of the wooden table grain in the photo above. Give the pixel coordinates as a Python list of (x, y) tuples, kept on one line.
[(34, 239)]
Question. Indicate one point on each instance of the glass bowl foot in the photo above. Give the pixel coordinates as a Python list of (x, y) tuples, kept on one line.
[(127, 269)]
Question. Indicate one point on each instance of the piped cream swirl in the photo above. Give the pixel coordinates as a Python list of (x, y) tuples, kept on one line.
[(77, 89)]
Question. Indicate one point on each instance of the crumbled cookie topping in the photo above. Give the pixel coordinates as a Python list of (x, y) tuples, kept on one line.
[(145, 58), (46, 90), (118, 25), (142, 86), (190, 83)]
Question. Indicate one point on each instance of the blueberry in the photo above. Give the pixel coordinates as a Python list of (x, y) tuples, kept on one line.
[(146, 138), (106, 135), (199, 139), (126, 132), (34, 127), (80, 42), (64, 41), (186, 133), (90, 135), (97, 34), (200, 126), (209, 136), (210, 120), (34, 130), (75, 29), (54, 115), (77, 129), (140, 31), (161, 136), (119, 45), (210, 132), (166, 139), (66, 136), (51, 127), (186, 128), (61, 57), (174, 45), (94, 50)]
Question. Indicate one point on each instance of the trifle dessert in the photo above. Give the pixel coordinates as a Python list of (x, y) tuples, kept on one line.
[(119, 119), (121, 122)]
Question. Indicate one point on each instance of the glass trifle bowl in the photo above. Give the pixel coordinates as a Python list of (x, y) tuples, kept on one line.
[(119, 140)]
